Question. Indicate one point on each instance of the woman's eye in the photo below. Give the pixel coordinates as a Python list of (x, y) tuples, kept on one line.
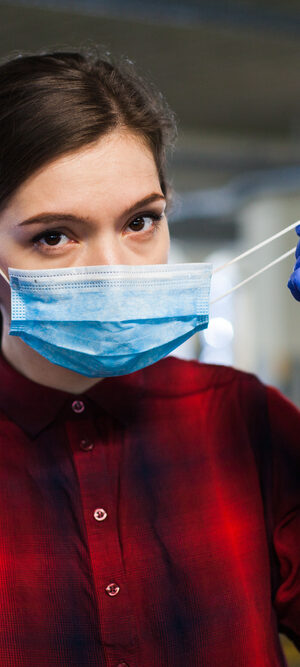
[(51, 238), (146, 222)]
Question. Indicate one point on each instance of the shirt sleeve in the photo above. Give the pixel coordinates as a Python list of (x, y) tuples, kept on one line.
[(284, 424)]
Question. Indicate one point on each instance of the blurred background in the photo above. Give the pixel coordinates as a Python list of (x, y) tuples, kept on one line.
[(230, 71)]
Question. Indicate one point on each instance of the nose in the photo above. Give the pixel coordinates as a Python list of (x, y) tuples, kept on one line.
[(106, 249)]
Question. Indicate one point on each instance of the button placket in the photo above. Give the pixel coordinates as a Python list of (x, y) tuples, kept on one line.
[(95, 472), (86, 444)]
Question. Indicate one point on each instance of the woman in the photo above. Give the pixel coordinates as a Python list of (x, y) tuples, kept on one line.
[(147, 517)]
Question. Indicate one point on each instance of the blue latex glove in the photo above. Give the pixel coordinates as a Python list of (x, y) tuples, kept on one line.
[(294, 281)]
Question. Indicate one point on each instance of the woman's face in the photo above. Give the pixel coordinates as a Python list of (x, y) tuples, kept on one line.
[(86, 208)]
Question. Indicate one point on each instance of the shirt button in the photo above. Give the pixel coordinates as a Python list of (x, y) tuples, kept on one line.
[(86, 444), (112, 589), (123, 664), (100, 514), (78, 406)]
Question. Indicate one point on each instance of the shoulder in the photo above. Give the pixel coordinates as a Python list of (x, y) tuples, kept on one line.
[(173, 376)]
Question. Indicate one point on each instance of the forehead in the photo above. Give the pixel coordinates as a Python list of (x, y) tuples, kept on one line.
[(115, 170)]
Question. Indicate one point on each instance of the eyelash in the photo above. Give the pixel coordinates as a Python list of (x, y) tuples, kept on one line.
[(156, 218)]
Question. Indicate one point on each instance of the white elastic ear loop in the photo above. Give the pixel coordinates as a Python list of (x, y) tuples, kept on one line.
[(257, 273), (4, 276), (257, 247), (249, 252)]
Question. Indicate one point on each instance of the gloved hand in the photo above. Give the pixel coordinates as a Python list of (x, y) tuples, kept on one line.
[(294, 281)]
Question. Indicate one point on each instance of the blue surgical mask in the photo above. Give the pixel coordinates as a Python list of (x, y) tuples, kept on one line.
[(104, 321)]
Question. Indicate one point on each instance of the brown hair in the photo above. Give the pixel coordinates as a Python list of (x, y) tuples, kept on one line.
[(52, 103)]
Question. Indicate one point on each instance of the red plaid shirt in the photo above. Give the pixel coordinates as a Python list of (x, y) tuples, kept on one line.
[(151, 522)]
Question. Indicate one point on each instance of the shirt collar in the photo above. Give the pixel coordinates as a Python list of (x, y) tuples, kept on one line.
[(33, 406)]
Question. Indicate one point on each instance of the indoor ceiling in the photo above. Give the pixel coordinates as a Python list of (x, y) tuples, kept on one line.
[(225, 67)]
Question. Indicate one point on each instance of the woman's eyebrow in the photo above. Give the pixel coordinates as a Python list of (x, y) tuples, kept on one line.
[(47, 218)]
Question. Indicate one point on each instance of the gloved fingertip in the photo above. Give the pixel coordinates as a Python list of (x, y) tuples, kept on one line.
[(294, 289), (298, 229)]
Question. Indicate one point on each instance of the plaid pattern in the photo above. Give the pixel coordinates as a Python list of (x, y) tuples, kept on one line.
[(151, 522)]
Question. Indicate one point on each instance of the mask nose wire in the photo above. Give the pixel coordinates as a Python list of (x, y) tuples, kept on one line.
[(249, 252)]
